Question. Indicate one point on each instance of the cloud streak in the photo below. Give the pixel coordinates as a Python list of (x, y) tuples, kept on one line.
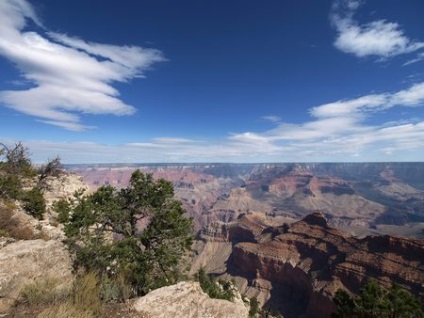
[(340, 128), (68, 76), (380, 38), (337, 131)]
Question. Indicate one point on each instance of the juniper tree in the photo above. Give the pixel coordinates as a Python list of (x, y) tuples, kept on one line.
[(139, 232)]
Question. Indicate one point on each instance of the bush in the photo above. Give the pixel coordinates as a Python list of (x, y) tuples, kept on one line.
[(34, 203), (17, 160), (254, 307), (10, 186), (115, 289), (15, 165), (53, 168), (375, 302), (220, 290)]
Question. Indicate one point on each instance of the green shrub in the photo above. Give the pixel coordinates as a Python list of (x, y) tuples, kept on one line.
[(374, 301), (34, 203), (220, 290), (10, 186), (115, 289), (15, 166), (254, 307)]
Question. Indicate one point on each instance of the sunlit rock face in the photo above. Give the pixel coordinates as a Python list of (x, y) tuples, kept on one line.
[(298, 267), (22, 262), (186, 299)]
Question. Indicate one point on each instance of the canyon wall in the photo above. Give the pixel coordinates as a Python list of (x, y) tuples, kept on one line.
[(297, 268)]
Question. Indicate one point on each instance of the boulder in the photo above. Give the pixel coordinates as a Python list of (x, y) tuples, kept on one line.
[(186, 299)]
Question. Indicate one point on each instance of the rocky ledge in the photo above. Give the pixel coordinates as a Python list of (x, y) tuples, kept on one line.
[(186, 299)]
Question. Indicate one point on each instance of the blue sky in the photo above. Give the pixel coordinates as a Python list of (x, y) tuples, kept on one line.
[(213, 81)]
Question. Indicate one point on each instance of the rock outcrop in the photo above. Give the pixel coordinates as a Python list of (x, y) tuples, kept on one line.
[(26, 257), (63, 186), (186, 299), (21, 262), (297, 268)]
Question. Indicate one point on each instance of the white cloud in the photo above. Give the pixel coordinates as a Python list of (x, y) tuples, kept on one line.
[(339, 129), (419, 58), (346, 130), (350, 107), (379, 38), (414, 96), (172, 140), (70, 76), (272, 118)]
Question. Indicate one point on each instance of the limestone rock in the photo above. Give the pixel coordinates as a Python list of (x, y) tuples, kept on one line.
[(63, 186), (186, 299), (23, 261)]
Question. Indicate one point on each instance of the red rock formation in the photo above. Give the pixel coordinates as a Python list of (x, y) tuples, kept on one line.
[(360, 198), (298, 268)]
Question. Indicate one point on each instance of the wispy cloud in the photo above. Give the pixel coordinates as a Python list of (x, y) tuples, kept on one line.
[(380, 38), (344, 130), (419, 58), (69, 76), (172, 140), (340, 128), (272, 118)]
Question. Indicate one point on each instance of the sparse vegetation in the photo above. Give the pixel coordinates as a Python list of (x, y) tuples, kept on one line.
[(139, 233), (254, 307), (82, 299), (215, 289), (11, 227), (115, 289), (15, 168), (52, 168), (16, 160), (43, 291), (374, 301)]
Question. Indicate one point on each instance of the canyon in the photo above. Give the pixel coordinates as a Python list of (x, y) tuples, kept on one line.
[(359, 198), (289, 235), (297, 268)]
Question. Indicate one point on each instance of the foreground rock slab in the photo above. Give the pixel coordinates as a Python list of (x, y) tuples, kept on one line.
[(22, 262), (186, 299)]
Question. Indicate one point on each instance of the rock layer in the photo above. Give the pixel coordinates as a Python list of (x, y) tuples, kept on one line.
[(298, 268), (362, 198)]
